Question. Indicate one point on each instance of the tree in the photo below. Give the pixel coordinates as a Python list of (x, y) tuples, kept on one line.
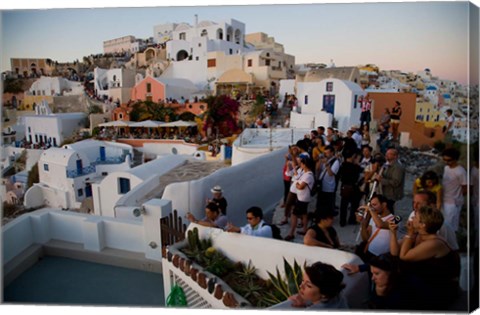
[(33, 176), (13, 86), (145, 110), (95, 109), (222, 114)]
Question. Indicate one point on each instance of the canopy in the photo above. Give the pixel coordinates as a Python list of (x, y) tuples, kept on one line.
[(148, 124), (179, 123), (116, 123)]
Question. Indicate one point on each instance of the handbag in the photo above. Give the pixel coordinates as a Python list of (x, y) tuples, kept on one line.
[(347, 191)]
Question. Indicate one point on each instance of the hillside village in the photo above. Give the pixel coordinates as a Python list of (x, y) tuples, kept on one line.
[(193, 106)]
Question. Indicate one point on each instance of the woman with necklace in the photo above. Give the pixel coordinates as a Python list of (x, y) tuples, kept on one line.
[(428, 265)]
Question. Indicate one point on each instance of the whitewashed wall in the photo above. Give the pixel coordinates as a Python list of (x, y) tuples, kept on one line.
[(41, 226), (105, 194), (286, 86), (257, 182), (169, 148), (246, 248)]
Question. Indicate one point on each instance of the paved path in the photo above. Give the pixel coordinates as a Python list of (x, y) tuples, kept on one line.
[(348, 234)]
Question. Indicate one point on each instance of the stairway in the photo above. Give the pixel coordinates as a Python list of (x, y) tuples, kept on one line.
[(280, 116)]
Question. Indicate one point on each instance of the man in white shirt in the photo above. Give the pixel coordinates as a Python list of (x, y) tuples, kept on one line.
[(255, 226), (375, 228), (454, 184)]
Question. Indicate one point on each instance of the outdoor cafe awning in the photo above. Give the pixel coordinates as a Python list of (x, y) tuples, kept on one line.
[(116, 123), (148, 124), (179, 123)]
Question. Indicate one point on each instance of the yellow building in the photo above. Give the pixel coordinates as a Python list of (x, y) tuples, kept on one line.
[(30, 100), (429, 114)]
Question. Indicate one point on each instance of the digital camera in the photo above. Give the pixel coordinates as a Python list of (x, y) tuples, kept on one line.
[(397, 219)]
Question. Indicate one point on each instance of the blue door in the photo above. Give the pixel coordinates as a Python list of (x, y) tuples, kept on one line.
[(88, 190), (102, 153), (79, 167), (329, 103)]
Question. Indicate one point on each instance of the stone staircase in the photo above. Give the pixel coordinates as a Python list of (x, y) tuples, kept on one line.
[(280, 116)]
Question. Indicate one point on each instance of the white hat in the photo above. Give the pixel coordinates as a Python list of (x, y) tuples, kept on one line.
[(216, 189)]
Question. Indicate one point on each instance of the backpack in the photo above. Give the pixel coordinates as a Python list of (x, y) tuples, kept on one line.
[(275, 231)]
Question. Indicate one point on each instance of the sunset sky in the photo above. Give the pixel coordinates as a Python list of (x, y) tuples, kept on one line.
[(408, 36)]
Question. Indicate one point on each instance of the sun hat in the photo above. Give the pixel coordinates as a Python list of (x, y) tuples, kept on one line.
[(216, 189)]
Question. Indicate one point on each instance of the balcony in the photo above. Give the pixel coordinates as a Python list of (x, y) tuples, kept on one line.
[(81, 172), (110, 160)]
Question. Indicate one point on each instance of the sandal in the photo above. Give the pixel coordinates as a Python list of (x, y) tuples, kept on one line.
[(289, 237)]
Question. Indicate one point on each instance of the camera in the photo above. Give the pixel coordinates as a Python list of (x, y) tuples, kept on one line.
[(397, 219)]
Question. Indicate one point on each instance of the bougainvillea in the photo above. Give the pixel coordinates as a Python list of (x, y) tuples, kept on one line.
[(222, 114)]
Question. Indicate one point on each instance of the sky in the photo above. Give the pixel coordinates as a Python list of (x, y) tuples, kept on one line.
[(407, 36)]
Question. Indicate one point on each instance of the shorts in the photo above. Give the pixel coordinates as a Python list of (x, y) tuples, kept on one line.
[(395, 121), (300, 209)]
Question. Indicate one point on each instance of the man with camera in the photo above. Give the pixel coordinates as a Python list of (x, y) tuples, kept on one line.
[(327, 182), (374, 219)]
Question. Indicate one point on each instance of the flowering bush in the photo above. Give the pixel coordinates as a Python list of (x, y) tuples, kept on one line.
[(222, 114)]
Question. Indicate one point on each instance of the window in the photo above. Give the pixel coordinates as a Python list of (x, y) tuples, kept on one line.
[(197, 58), (45, 167), (204, 33), (355, 101), (123, 185), (182, 36), (230, 51), (329, 86), (149, 88), (250, 61), (267, 62), (306, 99), (80, 192), (211, 63)]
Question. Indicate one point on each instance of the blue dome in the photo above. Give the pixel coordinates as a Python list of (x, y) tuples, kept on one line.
[(431, 88), (446, 96)]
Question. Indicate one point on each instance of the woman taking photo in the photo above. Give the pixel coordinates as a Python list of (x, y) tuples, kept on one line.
[(304, 186)]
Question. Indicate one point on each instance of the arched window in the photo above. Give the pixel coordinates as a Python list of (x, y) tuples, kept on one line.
[(204, 33), (219, 33), (238, 36), (229, 34), (182, 36), (182, 55)]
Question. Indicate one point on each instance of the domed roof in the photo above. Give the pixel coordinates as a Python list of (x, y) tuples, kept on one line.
[(206, 23), (183, 27)]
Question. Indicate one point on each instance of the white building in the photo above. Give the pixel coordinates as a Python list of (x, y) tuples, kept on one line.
[(66, 174), (431, 94), (114, 83), (320, 102), (120, 189), (51, 129), (189, 48), (55, 86)]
